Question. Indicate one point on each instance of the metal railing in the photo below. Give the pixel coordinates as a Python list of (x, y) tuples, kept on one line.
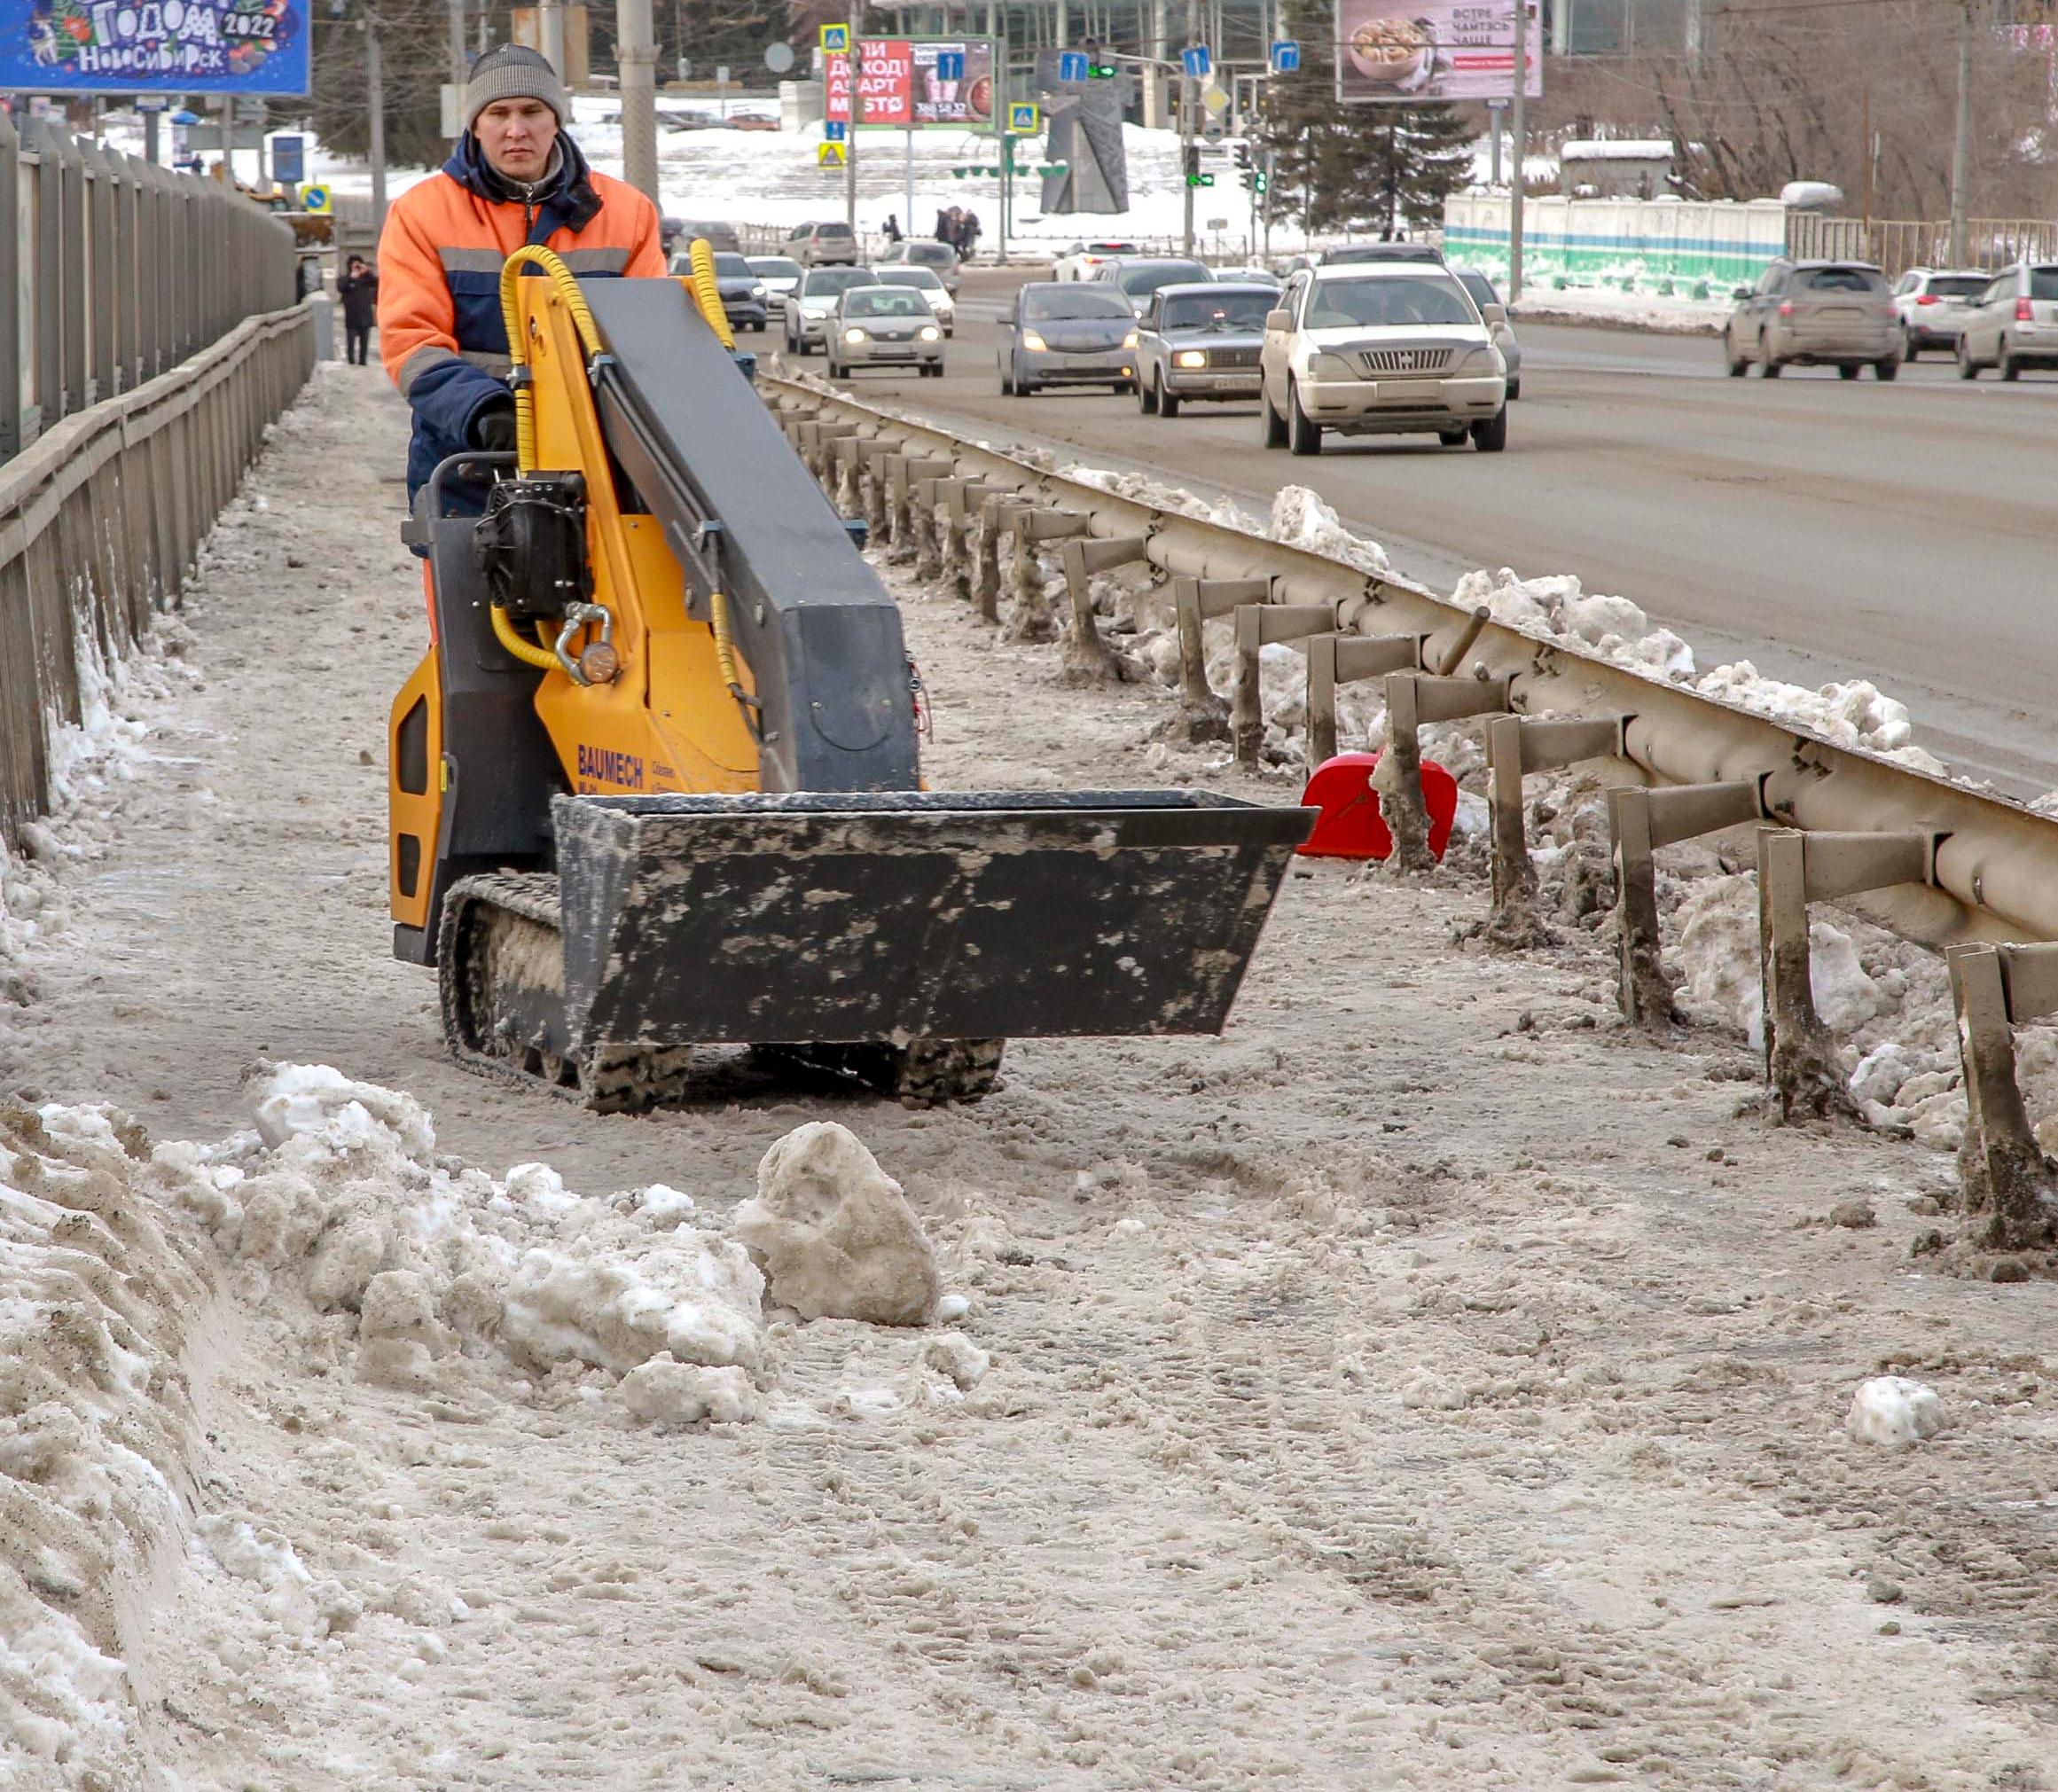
[(122, 269), (102, 516), (1895, 245)]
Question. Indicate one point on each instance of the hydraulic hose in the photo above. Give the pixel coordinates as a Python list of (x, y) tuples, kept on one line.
[(532, 255), (706, 290), (526, 651), (725, 658)]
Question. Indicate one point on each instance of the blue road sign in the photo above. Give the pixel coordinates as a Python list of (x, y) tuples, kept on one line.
[(1286, 57), (1197, 62), (289, 165), (833, 129), (950, 65), (1071, 64)]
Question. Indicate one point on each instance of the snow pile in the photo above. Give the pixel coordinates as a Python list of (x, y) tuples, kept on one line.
[(1718, 952), (1141, 488), (1303, 519), (1894, 1411), (837, 1236), (96, 1293), (1855, 715), (1557, 609)]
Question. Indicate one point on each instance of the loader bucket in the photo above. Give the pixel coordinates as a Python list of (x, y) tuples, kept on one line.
[(769, 918)]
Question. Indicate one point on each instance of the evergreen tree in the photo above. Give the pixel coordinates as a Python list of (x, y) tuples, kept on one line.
[(1383, 168)]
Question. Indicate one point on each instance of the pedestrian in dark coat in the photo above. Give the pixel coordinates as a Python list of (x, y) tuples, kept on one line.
[(967, 235), (358, 289)]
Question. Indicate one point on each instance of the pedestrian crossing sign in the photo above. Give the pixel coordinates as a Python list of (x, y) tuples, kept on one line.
[(829, 155), (836, 39), (1023, 120)]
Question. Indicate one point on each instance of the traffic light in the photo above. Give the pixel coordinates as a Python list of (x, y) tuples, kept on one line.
[(1260, 181), (1194, 178), (1243, 156)]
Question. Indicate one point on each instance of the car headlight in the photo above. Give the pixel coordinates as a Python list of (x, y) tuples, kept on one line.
[(1324, 365), (1129, 341), (1033, 342), (1191, 357), (930, 333), (757, 293), (854, 335), (1481, 362)]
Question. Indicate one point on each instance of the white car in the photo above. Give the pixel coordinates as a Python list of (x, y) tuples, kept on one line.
[(1932, 305), (1079, 261), (924, 280), (1380, 348), (810, 306), (2012, 324), (776, 274)]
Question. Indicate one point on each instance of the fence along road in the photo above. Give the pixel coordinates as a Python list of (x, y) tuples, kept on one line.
[(159, 341)]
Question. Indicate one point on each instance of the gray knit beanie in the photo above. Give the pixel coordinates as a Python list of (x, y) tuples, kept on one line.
[(514, 71)]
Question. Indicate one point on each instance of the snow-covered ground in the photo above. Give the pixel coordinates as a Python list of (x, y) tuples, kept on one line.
[(1428, 1382)]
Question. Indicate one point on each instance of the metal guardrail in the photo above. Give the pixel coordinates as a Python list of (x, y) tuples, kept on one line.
[(118, 270), (101, 517), (1895, 245), (1946, 866)]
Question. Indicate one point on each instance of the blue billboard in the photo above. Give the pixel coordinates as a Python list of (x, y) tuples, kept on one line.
[(153, 46)]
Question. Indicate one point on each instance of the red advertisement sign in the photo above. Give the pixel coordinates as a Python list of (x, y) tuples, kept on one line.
[(906, 83)]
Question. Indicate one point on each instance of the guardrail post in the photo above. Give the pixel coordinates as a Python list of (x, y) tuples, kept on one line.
[(1259, 626), (2009, 1184), (1086, 655), (1194, 602), (1516, 745), (1639, 822), (1033, 621), (1415, 700), (904, 473), (868, 481), (997, 517), (960, 499), (1335, 660), (1795, 868)]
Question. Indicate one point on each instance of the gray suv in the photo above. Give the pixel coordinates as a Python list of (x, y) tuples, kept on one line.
[(829, 245), (1815, 314)]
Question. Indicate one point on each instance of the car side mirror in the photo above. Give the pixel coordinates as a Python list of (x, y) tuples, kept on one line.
[(1279, 320), (1494, 314), (1741, 293)]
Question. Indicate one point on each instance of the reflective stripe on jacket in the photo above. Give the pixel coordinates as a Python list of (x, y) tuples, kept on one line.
[(440, 332)]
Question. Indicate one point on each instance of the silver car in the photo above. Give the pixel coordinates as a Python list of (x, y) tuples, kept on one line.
[(1503, 336), (778, 273), (1932, 306), (1060, 334), (808, 307), (1199, 343), (922, 280), (1816, 314), (925, 251), (1137, 276), (884, 326), (2014, 324)]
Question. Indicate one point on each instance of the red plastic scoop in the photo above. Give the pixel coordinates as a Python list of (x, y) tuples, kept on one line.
[(1351, 826)]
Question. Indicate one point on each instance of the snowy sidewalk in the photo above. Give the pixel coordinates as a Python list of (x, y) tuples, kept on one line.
[(1426, 1384)]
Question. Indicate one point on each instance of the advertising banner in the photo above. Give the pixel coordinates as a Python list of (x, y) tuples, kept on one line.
[(153, 46), (1412, 52), (916, 83)]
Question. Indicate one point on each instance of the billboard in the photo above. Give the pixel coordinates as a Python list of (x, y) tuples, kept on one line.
[(917, 83), (153, 46), (1414, 52)]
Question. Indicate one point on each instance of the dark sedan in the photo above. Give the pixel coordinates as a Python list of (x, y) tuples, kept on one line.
[(744, 299)]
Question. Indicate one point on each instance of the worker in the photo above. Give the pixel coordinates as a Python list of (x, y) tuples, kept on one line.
[(515, 177)]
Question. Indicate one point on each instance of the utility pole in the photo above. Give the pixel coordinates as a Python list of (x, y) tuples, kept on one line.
[(1865, 128), (636, 69), (1519, 127), (1189, 103), (1961, 143), (457, 48), (550, 20), (856, 58), (375, 105)]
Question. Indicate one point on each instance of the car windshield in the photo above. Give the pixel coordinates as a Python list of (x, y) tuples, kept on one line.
[(1063, 304), (937, 255), (1130, 248), (735, 268), (775, 267), (827, 280), (1479, 286), (1953, 286), (1148, 277), (1840, 280), (1405, 298), (2044, 283), (885, 302), (911, 277), (1225, 310)]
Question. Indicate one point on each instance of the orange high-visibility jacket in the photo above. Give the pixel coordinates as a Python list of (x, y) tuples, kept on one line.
[(441, 332)]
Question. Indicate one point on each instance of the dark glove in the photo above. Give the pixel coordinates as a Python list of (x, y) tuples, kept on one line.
[(494, 428)]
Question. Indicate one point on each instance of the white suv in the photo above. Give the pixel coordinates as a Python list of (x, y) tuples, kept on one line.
[(1383, 348)]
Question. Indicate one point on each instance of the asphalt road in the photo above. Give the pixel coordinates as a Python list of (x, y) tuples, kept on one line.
[(1820, 527)]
